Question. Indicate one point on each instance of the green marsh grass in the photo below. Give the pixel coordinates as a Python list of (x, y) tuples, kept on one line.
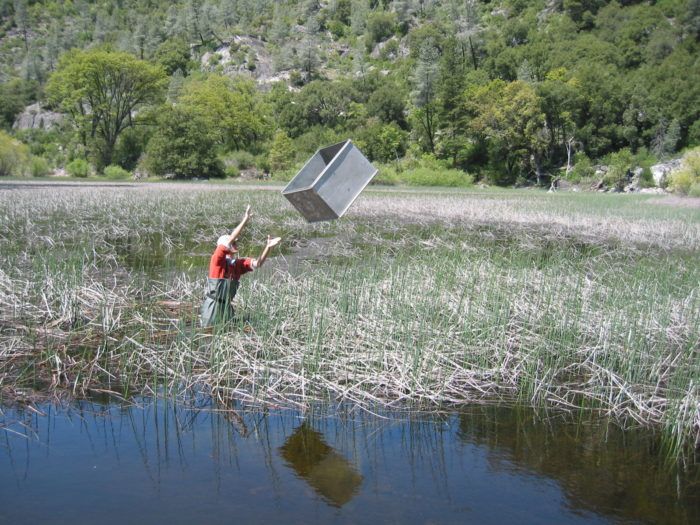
[(580, 302)]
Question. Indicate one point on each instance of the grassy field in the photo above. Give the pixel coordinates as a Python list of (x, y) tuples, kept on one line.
[(582, 302)]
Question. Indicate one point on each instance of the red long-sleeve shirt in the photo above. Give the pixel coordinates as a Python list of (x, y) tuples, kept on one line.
[(222, 268)]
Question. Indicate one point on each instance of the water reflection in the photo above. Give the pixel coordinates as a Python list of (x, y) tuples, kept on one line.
[(599, 467), (197, 462), (327, 472)]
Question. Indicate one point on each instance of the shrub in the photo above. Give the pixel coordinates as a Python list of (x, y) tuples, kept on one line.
[(14, 157), (583, 168), (687, 179), (694, 133), (116, 172), (380, 25), (38, 167), (620, 165), (183, 145), (231, 171), (645, 160), (433, 177), (282, 152), (382, 142), (387, 174), (240, 159), (78, 168), (337, 29), (390, 50)]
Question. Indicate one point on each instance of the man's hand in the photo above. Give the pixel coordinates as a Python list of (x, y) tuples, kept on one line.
[(271, 243)]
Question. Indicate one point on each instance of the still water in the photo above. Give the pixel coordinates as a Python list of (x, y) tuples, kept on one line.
[(161, 462)]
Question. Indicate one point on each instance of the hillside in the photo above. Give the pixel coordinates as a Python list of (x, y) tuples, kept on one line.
[(441, 92)]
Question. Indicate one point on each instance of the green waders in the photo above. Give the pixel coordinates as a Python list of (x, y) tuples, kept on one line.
[(216, 307)]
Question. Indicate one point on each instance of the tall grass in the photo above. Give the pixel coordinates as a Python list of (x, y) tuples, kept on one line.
[(572, 301)]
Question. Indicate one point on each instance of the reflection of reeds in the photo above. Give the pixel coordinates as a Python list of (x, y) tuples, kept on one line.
[(443, 299)]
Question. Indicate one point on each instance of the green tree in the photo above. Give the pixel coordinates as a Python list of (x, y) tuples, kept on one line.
[(358, 16), (583, 11), (562, 103), (14, 157), (22, 21), (388, 104), (380, 25), (382, 142), (425, 82), (509, 117), (319, 103), (183, 145), (102, 90), (174, 54), (282, 152), (233, 108), (15, 95), (452, 68)]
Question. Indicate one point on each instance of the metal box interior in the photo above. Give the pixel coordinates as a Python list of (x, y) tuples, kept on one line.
[(329, 182)]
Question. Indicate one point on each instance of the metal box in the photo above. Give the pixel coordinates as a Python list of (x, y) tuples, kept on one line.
[(330, 182)]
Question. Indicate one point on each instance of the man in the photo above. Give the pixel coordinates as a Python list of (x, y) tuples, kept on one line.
[(225, 270)]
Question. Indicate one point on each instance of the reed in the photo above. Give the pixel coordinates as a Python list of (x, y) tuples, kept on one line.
[(581, 302)]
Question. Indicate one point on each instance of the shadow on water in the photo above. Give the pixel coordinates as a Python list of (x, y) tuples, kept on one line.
[(194, 461), (330, 474)]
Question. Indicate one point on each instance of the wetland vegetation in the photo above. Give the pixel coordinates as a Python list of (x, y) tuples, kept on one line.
[(580, 303)]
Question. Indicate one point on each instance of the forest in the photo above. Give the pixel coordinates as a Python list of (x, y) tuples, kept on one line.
[(507, 92)]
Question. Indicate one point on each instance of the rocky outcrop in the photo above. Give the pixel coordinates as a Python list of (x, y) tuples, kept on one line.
[(244, 55), (35, 117), (661, 171)]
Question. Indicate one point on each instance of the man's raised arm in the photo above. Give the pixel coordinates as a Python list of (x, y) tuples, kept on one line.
[(238, 229), (271, 243)]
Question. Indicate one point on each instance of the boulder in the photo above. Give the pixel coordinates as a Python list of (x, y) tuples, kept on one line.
[(34, 117), (661, 171)]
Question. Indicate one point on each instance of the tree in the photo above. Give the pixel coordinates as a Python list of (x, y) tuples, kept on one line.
[(282, 152), (452, 84), (382, 142), (183, 145), (308, 58), (387, 104), (14, 156), (102, 91), (173, 54), (358, 16), (425, 82), (22, 21), (233, 109), (319, 103), (561, 103), (380, 25), (15, 95), (509, 116)]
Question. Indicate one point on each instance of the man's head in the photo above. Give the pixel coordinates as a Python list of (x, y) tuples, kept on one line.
[(229, 243)]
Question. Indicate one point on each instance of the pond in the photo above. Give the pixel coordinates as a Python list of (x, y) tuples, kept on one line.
[(159, 461)]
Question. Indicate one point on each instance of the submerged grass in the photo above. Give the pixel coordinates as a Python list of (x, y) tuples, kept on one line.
[(582, 302)]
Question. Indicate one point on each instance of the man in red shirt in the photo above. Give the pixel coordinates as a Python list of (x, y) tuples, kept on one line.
[(225, 270)]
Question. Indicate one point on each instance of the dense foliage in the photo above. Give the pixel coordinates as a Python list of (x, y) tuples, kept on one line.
[(507, 90)]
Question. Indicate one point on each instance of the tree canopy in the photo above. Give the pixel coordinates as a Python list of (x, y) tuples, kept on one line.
[(102, 91), (507, 89)]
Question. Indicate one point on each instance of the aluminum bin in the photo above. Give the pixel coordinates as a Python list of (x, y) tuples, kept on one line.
[(329, 182)]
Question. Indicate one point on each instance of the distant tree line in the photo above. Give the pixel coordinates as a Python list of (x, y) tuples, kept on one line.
[(510, 91)]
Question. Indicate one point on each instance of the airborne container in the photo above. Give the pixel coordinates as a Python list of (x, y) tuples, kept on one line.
[(330, 182)]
